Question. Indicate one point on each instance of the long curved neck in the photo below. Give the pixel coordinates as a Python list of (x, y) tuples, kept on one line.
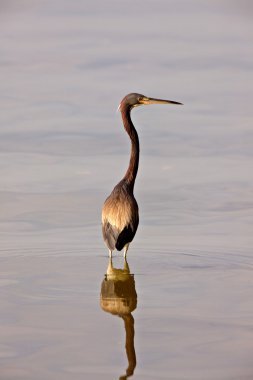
[(132, 170)]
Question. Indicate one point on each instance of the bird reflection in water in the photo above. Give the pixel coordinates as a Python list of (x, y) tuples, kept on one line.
[(118, 297)]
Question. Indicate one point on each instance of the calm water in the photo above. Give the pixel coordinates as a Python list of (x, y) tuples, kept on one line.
[(182, 308)]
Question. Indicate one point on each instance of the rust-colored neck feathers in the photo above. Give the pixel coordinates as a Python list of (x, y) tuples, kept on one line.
[(135, 148)]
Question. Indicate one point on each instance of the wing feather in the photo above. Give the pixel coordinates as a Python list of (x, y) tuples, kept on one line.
[(110, 235)]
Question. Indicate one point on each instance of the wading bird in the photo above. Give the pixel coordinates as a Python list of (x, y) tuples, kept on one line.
[(120, 216)]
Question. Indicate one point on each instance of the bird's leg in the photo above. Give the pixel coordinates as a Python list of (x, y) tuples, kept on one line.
[(126, 266), (110, 267), (126, 249), (110, 253)]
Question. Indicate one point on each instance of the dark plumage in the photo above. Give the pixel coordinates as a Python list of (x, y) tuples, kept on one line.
[(120, 216)]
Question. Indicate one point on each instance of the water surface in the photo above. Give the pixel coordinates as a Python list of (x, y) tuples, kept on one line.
[(64, 69)]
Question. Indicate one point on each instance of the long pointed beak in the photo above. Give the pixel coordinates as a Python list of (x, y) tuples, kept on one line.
[(157, 101)]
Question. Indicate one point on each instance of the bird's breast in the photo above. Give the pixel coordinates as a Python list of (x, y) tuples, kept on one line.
[(120, 211)]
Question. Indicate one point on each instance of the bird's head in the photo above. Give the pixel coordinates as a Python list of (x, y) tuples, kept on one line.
[(134, 100)]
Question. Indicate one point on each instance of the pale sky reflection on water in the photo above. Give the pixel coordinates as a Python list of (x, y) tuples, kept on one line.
[(64, 67)]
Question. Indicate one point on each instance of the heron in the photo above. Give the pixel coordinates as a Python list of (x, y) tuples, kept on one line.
[(120, 214)]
